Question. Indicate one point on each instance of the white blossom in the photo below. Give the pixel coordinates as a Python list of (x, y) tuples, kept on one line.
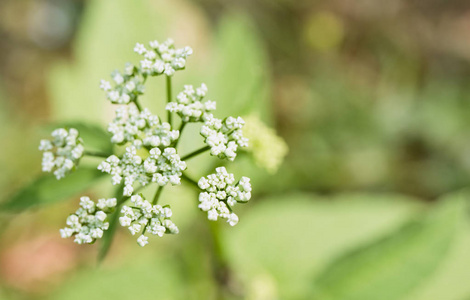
[(162, 58), (189, 104), (129, 85), (61, 154), (221, 193), (223, 136), (89, 221), (160, 167), (148, 218)]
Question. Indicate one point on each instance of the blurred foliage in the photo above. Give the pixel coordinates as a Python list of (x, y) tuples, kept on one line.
[(370, 97)]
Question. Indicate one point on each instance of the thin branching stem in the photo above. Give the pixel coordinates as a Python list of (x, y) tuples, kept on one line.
[(168, 97), (197, 152), (97, 154)]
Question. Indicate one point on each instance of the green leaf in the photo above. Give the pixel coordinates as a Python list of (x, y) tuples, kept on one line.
[(450, 281), (108, 32), (394, 266), (95, 137), (281, 241), (144, 276), (240, 83), (47, 189)]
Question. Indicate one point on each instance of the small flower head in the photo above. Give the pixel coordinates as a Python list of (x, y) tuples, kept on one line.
[(221, 193), (143, 217), (162, 58), (224, 136), (159, 167), (89, 221), (189, 104), (62, 153)]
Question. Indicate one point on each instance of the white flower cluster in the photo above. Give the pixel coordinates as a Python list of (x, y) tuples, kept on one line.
[(162, 58), (159, 167), (89, 221), (128, 85), (62, 153), (189, 105), (140, 128), (145, 217), (221, 193), (223, 136)]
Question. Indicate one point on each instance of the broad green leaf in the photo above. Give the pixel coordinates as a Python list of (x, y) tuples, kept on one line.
[(142, 277), (240, 82), (108, 32), (450, 281), (282, 241), (47, 189), (94, 137), (393, 266)]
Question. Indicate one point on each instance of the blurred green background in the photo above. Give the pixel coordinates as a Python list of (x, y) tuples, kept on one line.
[(371, 97)]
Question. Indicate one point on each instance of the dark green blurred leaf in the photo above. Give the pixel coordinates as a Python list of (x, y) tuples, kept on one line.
[(48, 190), (392, 267), (283, 240), (94, 137)]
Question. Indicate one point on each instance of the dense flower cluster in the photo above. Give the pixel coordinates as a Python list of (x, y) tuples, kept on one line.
[(223, 136), (160, 167), (129, 85), (147, 154), (162, 57), (89, 221), (221, 193), (62, 153), (189, 105), (141, 128), (145, 217)]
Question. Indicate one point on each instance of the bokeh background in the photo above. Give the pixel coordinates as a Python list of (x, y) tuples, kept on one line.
[(370, 97)]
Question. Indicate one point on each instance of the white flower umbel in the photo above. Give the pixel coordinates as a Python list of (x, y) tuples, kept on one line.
[(62, 153), (128, 85), (143, 217), (89, 221), (162, 58), (189, 104), (160, 167), (221, 193), (140, 128), (223, 136)]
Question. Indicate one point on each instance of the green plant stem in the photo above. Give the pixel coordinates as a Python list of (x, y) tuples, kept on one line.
[(194, 153), (183, 124), (191, 181), (168, 97), (97, 154), (139, 107), (157, 195)]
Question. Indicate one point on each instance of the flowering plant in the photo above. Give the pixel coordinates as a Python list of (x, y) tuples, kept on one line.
[(150, 155)]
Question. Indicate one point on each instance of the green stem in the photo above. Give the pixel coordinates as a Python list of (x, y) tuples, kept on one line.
[(183, 124), (157, 195), (97, 154), (193, 182), (136, 102), (194, 153), (168, 97)]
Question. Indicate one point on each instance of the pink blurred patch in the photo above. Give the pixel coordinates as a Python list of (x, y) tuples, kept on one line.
[(35, 264)]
